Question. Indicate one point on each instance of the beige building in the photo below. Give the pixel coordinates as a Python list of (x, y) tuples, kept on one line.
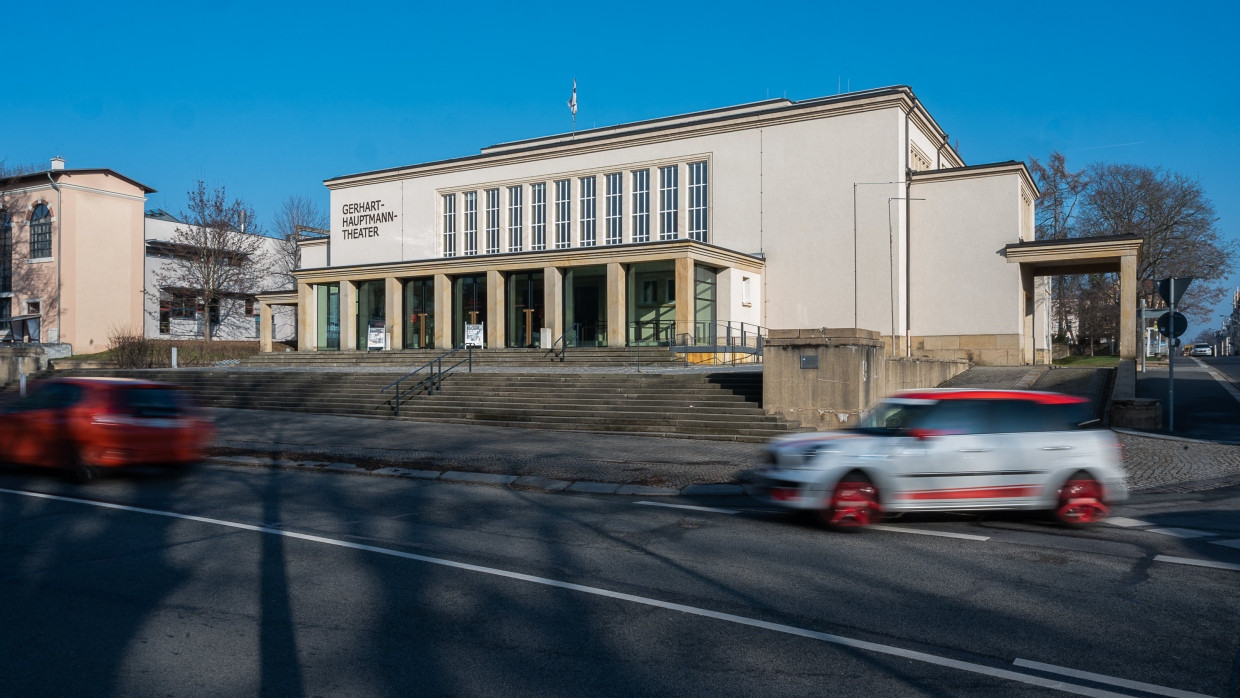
[(71, 256), (839, 212)]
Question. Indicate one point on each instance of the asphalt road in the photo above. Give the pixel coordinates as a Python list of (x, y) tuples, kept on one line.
[(240, 581)]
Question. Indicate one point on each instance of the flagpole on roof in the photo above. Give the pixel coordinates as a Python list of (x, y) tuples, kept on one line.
[(572, 106)]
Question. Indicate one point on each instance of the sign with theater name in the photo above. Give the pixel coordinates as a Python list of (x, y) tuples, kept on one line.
[(365, 219), (367, 224)]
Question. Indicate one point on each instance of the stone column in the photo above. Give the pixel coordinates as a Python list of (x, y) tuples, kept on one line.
[(307, 318), (495, 330), (264, 327), (684, 298), (553, 301), (1128, 306), (443, 312), (348, 316), (394, 313), (617, 304)]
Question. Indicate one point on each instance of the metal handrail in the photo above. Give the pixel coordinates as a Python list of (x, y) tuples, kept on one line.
[(738, 338), (573, 331), (434, 380)]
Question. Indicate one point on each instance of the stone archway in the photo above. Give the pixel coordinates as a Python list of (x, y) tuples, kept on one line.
[(1093, 255)]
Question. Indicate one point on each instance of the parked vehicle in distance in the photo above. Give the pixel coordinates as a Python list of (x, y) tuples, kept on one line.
[(86, 425), (1203, 350), (945, 449)]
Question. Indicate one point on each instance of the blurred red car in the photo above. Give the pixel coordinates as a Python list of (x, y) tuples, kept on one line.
[(84, 425)]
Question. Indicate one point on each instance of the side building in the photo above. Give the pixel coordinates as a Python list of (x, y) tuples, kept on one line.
[(71, 256)]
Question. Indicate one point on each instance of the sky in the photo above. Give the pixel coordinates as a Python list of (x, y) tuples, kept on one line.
[(268, 99)]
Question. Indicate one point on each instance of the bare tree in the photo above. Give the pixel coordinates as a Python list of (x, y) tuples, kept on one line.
[(1175, 219), (213, 255), (297, 215), (1061, 190)]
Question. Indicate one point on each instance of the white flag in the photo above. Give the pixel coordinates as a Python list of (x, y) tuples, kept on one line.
[(572, 103)]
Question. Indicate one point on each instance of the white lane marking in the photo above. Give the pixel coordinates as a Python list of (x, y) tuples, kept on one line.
[(1180, 532), (1103, 678), (1222, 380), (596, 591), (1229, 543), (1197, 563), (1126, 523), (920, 532), (686, 506)]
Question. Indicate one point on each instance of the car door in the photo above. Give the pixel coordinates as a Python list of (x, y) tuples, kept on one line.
[(36, 429), (956, 459)]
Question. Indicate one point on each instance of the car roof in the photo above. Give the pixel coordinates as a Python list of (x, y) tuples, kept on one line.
[(109, 380), (1038, 396)]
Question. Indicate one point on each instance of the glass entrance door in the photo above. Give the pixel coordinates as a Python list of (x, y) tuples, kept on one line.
[(525, 308), (328, 316), (419, 313), (469, 307), (585, 301)]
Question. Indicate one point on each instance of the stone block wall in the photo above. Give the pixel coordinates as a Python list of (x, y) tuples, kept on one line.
[(980, 349), (825, 378)]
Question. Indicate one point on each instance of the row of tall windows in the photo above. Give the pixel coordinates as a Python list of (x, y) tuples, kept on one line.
[(667, 215)]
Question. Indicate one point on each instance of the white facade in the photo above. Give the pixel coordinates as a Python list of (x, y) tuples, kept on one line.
[(169, 316), (844, 211)]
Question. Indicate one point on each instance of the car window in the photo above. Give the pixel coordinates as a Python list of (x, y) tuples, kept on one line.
[(889, 417), (955, 417), (151, 402), (49, 396)]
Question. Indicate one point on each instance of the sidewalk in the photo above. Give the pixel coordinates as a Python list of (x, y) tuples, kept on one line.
[(599, 463)]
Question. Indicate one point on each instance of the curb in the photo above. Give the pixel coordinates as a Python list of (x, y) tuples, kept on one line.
[(523, 482)]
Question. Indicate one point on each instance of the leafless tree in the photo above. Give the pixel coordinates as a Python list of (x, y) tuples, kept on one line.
[(214, 255), (1057, 209), (297, 215), (1175, 219)]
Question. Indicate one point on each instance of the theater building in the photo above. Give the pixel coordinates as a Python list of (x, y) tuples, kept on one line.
[(849, 211)]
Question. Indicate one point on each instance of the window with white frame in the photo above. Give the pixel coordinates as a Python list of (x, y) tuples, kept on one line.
[(492, 221), (746, 298), (449, 225), (697, 201), (471, 223), (669, 195), (538, 216), (563, 214), (641, 205), (588, 233), (514, 218), (40, 232), (615, 208)]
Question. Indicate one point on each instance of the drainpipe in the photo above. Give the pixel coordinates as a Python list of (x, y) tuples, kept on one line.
[(60, 226)]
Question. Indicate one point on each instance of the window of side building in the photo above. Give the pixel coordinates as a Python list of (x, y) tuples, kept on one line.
[(697, 201), (641, 206), (588, 206), (563, 214), (41, 232)]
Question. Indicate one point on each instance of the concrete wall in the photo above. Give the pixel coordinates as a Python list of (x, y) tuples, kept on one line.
[(16, 360), (825, 378)]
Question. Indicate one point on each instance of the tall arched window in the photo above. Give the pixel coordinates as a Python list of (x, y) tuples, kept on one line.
[(6, 253), (40, 232)]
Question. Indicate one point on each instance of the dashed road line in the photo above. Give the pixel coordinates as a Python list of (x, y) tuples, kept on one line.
[(1229, 543), (1126, 522), (1180, 532), (1197, 563), (711, 510), (929, 532), (1110, 680)]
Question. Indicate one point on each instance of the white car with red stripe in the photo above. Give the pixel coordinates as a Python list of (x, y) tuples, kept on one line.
[(952, 449)]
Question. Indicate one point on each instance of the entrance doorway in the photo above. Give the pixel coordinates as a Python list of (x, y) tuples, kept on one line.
[(585, 300), (371, 315), (652, 304), (469, 307), (525, 308), (419, 313), (328, 316)]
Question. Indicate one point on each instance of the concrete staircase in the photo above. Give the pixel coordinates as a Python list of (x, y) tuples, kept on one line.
[(720, 405), (413, 358)]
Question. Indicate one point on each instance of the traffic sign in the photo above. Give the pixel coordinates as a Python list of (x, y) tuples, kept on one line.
[(1172, 324), (1167, 288)]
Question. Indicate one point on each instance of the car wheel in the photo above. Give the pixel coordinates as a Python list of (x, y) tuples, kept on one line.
[(854, 502), (1080, 501)]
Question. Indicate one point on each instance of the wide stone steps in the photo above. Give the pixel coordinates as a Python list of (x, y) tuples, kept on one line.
[(721, 406), (412, 358)]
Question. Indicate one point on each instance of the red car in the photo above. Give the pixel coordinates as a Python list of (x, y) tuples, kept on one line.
[(84, 425)]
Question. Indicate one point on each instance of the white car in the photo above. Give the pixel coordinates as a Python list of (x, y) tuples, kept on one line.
[(941, 449), (1203, 351)]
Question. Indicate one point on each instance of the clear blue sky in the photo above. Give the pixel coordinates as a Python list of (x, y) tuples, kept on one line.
[(271, 98)]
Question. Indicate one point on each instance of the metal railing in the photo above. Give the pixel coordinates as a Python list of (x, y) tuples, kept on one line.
[(727, 343), (433, 382), (566, 340)]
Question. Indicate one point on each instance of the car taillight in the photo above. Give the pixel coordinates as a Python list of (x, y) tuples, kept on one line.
[(783, 494)]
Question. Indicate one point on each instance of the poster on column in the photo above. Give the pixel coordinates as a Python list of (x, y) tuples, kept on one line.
[(474, 335)]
